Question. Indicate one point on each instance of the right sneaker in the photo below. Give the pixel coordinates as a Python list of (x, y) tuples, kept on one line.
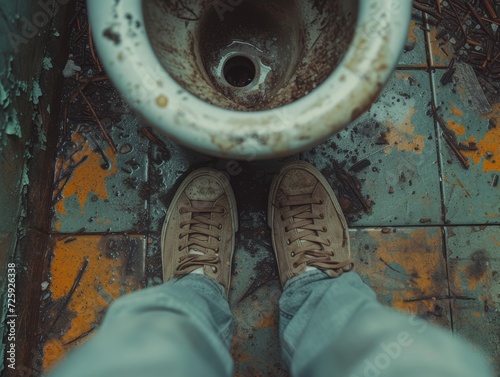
[(309, 230)]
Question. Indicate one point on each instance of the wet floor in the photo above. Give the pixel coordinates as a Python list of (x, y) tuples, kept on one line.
[(424, 215)]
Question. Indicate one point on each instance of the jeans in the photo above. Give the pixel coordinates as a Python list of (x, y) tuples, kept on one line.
[(328, 327)]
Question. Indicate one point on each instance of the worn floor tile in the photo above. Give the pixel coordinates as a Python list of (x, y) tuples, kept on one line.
[(474, 264), (391, 153), (87, 273), (255, 288), (406, 268), (100, 190), (170, 163), (153, 262), (414, 53), (470, 195), (440, 49)]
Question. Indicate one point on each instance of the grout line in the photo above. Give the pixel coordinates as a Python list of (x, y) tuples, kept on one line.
[(428, 50), (444, 232), (410, 68), (438, 144), (362, 227), (353, 227)]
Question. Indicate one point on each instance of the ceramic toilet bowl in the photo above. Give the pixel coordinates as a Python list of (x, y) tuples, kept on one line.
[(249, 79)]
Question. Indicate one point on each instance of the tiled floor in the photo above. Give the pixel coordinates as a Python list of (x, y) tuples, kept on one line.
[(425, 231)]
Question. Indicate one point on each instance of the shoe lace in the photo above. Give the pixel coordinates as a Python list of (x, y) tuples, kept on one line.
[(200, 232), (313, 248)]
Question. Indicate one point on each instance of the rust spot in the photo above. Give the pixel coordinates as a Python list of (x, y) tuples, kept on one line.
[(112, 36), (456, 111), (455, 127), (162, 101), (88, 177), (477, 269), (88, 303), (402, 137)]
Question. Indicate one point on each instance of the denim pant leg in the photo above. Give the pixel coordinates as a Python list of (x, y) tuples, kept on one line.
[(181, 329), (336, 327)]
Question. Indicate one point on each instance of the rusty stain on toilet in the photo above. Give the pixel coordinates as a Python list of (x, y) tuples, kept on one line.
[(162, 101)]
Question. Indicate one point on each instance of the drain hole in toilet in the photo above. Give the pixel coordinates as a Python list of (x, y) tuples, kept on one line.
[(239, 71)]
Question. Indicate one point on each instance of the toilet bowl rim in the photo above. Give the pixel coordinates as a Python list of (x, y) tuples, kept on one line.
[(135, 70)]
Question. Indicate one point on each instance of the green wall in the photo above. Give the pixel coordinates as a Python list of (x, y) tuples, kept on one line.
[(22, 49)]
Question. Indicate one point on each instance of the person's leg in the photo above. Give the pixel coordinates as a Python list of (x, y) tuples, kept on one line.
[(336, 327), (330, 321), (183, 327)]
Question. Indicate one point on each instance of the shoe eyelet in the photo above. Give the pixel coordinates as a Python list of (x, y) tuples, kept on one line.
[(292, 254), (321, 216), (321, 201), (219, 239), (180, 248), (220, 226), (282, 218), (216, 250), (294, 265), (180, 236), (223, 212), (214, 269), (182, 210), (288, 242), (179, 260), (325, 229)]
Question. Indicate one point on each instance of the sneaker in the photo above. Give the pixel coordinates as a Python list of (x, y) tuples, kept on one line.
[(198, 232), (308, 227)]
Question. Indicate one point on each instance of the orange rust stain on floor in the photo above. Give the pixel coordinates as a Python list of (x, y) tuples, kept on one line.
[(490, 144), (402, 136), (88, 177), (455, 127), (419, 254), (440, 53), (462, 280), (268, 321), (238, 352), (412, 35), (86, 303), (456, 111), (403, 76)]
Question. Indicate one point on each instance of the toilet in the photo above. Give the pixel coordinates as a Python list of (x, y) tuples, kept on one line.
[(249, 79)]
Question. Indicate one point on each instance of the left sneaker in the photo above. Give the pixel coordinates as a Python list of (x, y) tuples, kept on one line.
[(198, 232)]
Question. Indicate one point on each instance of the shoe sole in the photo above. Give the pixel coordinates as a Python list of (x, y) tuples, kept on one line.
[(317, 174), (232, 203)]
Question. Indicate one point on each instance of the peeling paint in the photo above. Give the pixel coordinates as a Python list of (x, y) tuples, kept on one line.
[(47, 63), (36, 93)]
